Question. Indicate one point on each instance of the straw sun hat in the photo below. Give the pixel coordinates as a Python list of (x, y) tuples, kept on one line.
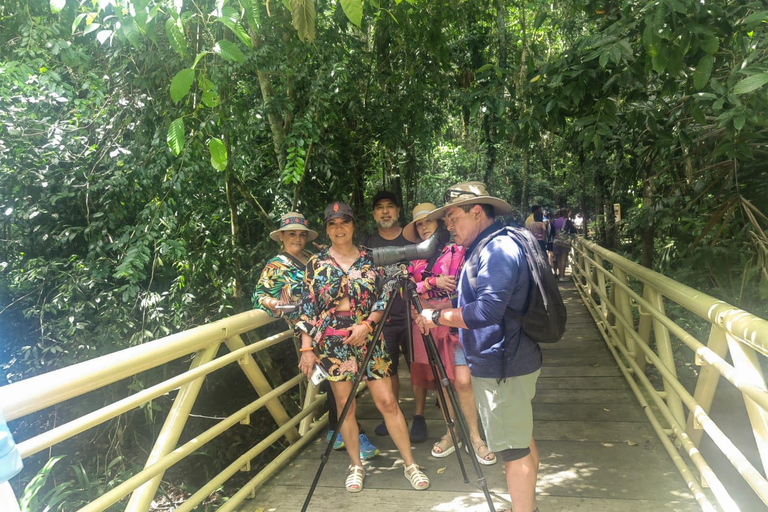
[(293, 221), (470, 192), (420, 211)]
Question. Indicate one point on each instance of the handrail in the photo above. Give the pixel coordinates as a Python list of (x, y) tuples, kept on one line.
[(610, 299), (31, 395)]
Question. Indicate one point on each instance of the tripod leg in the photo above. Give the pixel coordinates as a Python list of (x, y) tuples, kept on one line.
[(350, 398), (438, 370)]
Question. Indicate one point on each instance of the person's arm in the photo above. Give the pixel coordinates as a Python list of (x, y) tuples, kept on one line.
[(268, 288)]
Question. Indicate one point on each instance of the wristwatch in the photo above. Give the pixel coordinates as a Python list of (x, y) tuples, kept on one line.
[(436, 316)]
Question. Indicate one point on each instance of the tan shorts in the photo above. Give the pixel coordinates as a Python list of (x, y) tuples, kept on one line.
[(505, 409)]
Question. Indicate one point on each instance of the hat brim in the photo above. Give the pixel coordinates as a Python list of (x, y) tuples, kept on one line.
[(311, 235), (500, 207), (409, 231)]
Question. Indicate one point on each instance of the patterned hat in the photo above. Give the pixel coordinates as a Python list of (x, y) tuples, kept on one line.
[(420, 211), (470, 192), (293, 221)]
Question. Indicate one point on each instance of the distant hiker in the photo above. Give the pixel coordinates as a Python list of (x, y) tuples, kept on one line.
[(504, 362), (562, 228), (539, 229)]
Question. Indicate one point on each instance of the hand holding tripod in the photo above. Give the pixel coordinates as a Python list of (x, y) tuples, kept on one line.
[(439, 374)]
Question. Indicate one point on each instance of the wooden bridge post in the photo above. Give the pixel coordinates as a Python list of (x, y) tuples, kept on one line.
[(602, 291), (262, 387), (748, 367), (169, 434), (667, 356), (706, 384)]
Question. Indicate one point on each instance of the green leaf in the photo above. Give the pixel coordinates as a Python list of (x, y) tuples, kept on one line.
[(130, 30), (754, 20), (698, 116), (703, 72), (181, 84), (231, 18), (303, 14), (57, 5), (210, 99), (229, 51), (218, 154), (175, 136), (252, 13), (738, 121), (751, 83), (176, 37), (710, 45), (677, 6), (77, 21), (354, 10), (540, 17)]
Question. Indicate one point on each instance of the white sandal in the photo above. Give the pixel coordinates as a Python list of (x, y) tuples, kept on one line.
[(416, 476), (354, 482)]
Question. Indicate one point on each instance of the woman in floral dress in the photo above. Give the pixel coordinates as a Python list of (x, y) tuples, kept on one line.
[(340, 307)]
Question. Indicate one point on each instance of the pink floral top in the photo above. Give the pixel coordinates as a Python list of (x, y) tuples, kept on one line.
[(449, 263)]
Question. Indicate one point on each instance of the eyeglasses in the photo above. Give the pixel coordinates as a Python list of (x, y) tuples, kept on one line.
[(450, 195)]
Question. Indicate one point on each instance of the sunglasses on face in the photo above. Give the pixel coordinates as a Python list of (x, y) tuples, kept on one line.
[(450, 195)]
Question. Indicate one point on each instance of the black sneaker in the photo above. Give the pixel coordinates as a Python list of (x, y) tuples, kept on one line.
[(419, 429), (381, 429)]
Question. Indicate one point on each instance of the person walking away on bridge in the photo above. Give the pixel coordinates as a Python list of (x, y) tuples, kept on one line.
[(562, 225), (539, 230), (340, 307), (503, 361), (10, 466), (436, 285), (280, 284), (386, 212)]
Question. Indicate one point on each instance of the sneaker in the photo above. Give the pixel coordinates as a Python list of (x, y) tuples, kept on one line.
[(338, 444), (381, 429), (418, 429), (367, 450)]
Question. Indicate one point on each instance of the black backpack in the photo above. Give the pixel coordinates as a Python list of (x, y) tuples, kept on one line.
[(545, 316)]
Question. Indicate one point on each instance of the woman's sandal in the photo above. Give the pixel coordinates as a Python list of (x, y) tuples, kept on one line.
[(416, 476), (354, 482), (446, 445), (481, 457)]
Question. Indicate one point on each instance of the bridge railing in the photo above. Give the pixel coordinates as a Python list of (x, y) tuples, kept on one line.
[(628, 303), (35, 394)]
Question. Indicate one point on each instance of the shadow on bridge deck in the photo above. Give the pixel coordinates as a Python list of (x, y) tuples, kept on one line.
[(598, 451)]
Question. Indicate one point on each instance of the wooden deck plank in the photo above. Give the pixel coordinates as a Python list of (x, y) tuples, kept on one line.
[(598, 452)]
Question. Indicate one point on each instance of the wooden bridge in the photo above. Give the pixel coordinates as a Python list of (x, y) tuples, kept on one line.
[(615, 426)]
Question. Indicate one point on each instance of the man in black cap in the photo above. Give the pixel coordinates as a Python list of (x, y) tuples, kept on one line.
[(386, 212)]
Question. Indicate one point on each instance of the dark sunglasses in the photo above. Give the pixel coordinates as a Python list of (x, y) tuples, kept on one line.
[(450, 195)]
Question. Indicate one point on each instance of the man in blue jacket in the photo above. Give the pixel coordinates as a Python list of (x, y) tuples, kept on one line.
[(503, 361)]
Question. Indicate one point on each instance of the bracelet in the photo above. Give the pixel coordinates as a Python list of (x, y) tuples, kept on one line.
[(306, 349), (427, 285), (368, 323), (432, 281)]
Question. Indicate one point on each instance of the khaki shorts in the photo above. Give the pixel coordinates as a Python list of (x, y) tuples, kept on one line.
[(505, 409)]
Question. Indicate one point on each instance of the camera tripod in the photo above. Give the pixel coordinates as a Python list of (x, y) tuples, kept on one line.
[(440, 376)]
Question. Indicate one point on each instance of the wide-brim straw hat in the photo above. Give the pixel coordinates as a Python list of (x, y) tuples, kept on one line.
[(293, 221), (470, 192), (420, 211)]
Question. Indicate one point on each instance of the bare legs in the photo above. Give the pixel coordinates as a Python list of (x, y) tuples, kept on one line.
[(386, 403), (521, 480)]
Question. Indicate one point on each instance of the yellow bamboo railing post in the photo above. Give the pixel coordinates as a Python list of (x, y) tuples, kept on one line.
[(168, 437), (306, 424), (746, 363), (621, 301), (601, 286), (664, 349), (706, 384), (262, 387), (644, 326)]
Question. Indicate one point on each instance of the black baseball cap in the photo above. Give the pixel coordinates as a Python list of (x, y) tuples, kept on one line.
[(385, 194), (338, 209)]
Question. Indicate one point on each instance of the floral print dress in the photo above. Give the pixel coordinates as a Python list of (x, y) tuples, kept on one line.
[(281, 279), (325, 285)]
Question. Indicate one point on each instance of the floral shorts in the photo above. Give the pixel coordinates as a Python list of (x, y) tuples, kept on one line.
[(342, 362)]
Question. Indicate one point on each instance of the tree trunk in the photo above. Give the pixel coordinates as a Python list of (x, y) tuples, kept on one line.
[(648, 234), (276, 123)]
